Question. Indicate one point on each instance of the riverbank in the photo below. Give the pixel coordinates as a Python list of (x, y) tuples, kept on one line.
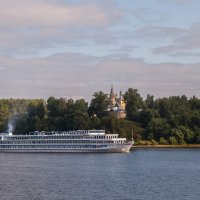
[(167, 146), (154, 144)]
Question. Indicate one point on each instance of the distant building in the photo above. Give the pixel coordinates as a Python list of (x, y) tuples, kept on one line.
[(116, 105)]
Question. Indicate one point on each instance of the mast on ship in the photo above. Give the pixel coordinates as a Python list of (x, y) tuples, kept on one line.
[(132, 136)]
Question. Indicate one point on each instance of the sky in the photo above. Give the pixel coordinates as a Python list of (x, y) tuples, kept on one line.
[(73, 48)]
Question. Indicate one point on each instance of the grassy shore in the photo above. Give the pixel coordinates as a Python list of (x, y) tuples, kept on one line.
[(150, 144), (168, 146)]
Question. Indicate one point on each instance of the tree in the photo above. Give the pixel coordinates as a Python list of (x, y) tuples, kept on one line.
[(76, 116), (195, 103), (36, 115), (98, 105), (146, 115), (149, 101), (56, 107), (81, 105), (134, 102), (80, 120), (37, 108), (196, 135), (95, 123), (159, 128), (187, 133), (172, 140), (177, 133), (163, 141), (4, 116), (21, 124), (163, 106)]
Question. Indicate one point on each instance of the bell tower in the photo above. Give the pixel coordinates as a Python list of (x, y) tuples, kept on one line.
[(112, 101)]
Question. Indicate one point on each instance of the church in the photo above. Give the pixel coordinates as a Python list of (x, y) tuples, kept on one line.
[(116, 105)]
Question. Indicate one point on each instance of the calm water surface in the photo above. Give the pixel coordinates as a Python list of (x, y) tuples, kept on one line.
[(144, 174)]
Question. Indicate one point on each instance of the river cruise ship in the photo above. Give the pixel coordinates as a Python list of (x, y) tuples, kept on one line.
[(69, 141)]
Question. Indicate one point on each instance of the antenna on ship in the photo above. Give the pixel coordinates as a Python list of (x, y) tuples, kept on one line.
[(132, 136)]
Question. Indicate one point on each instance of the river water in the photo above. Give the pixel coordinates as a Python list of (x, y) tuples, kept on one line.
[(143, 174)]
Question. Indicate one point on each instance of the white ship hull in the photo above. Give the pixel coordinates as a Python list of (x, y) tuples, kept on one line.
[(121, 149)]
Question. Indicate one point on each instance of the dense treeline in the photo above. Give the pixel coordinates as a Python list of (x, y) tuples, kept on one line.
[(173, 120), (61, 114), (9, 108)]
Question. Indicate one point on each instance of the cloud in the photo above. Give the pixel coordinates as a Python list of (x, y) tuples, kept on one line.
[(47, 40), (190, 40), (29, 27), (158, 32), (126, 49), (35, 13), (184, 54), (181, 1), (71, 75), (148, 14)]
